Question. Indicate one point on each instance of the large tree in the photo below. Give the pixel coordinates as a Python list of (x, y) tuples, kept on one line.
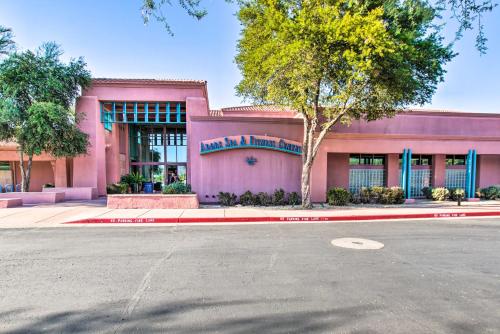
[(338, 60), (468, 13), (37, 95)]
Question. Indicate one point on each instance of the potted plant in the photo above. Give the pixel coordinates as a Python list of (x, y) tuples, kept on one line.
[(137, 180)]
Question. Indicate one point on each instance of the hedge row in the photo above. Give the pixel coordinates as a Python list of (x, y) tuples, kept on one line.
[(278, 197), (373, 195)]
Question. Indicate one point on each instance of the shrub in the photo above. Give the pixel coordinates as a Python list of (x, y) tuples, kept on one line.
[(117, 188), (338, 196), (247, 198), (456, 193), (278, 197), (427, 192), (178, 187), (440, 194), (364, 195), (491, 193), (397, 195), (227, 199), (263, 199), (294, 198), (376, 193)]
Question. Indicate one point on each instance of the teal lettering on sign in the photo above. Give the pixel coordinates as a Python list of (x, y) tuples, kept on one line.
[(250, 141)]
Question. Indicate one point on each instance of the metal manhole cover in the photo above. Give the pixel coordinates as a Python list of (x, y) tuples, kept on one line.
[(357, 243)]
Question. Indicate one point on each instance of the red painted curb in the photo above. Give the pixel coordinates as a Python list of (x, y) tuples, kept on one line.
[(183, 220)]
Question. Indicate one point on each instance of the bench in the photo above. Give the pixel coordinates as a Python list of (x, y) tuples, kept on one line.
[(10, 202)]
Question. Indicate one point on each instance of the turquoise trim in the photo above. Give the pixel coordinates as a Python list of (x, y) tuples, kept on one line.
[(178, 112), (157, 112), (168, 113), (408, 174), (135, 112), (124, 112), (114, 112), (474, 173), (146, 112)]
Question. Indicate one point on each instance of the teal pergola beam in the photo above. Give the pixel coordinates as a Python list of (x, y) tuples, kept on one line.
[(157, 112), (178, 111), (168, 112), (135, 112), (124, 112), (146, 112)]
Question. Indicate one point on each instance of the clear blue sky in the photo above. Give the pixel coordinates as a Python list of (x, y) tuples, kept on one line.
[(112, 38)]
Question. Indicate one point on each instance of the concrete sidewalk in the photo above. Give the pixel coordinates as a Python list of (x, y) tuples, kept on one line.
[(96, 212)]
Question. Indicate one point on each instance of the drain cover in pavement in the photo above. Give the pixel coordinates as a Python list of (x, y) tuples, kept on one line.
[(356, 243)]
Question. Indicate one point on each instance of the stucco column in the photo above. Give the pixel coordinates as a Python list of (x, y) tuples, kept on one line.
[(113, 154), (195, 106), (392, 170), (90, 170), (60, 172), (319, 177), (438, 170)]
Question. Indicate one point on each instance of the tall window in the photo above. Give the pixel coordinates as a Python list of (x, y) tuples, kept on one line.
[(366, 170)]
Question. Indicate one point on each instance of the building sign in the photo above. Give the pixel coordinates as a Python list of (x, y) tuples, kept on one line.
[(250, 141)]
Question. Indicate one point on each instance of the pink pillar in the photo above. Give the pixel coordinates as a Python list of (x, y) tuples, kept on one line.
[(113, 155), (392, 170), (318, 177), (60, 172), (338, 170), (438, 170), (195, 106), (90, 170)]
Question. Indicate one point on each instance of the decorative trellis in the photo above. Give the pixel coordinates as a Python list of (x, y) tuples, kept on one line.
[(359, 178)]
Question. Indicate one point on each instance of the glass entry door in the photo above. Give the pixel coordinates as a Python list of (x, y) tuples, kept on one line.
[(159, 153)]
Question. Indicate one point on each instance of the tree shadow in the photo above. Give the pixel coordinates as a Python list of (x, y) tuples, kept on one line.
[(193, 316)]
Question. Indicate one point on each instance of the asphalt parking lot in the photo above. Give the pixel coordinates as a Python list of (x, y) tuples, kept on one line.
[(438, 276)]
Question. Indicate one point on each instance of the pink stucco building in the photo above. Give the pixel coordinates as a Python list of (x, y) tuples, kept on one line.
[(165, 129)]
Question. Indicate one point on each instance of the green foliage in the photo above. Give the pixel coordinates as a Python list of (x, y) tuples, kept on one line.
[(440, 194), (457, 193), (294, 198), (427, 192), (227, 199), (379, 195), (338, 196), (491, 192), (338, 61), (278, 197), (6, 42), (117, 188), (247, 198), (37, 92), (178, 187), (263, 199)]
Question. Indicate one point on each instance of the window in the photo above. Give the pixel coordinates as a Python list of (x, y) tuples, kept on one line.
[(455, 160), (366, 159), (418, 160)]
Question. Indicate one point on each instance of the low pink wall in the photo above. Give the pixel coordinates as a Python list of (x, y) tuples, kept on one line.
[(143, 201), (10, 202), (36, 197), (71, 194)]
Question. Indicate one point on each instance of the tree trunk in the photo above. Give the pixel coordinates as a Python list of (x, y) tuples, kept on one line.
[(25, 172), (307, 160)]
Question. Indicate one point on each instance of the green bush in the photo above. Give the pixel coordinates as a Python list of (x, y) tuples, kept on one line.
[(294, 198), (378, 195), (440, 194), (263, 199), (178, 187), (491, 192), (278, 197), (117, 188), (338, 196), (456, 193), (247, 198), (227, 199), (364, 195), (427, 192)]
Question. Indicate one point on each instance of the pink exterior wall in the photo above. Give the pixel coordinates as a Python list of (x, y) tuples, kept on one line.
[(228, 171), (338, 170), (41, 173), (435, 133), (488, 168)]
